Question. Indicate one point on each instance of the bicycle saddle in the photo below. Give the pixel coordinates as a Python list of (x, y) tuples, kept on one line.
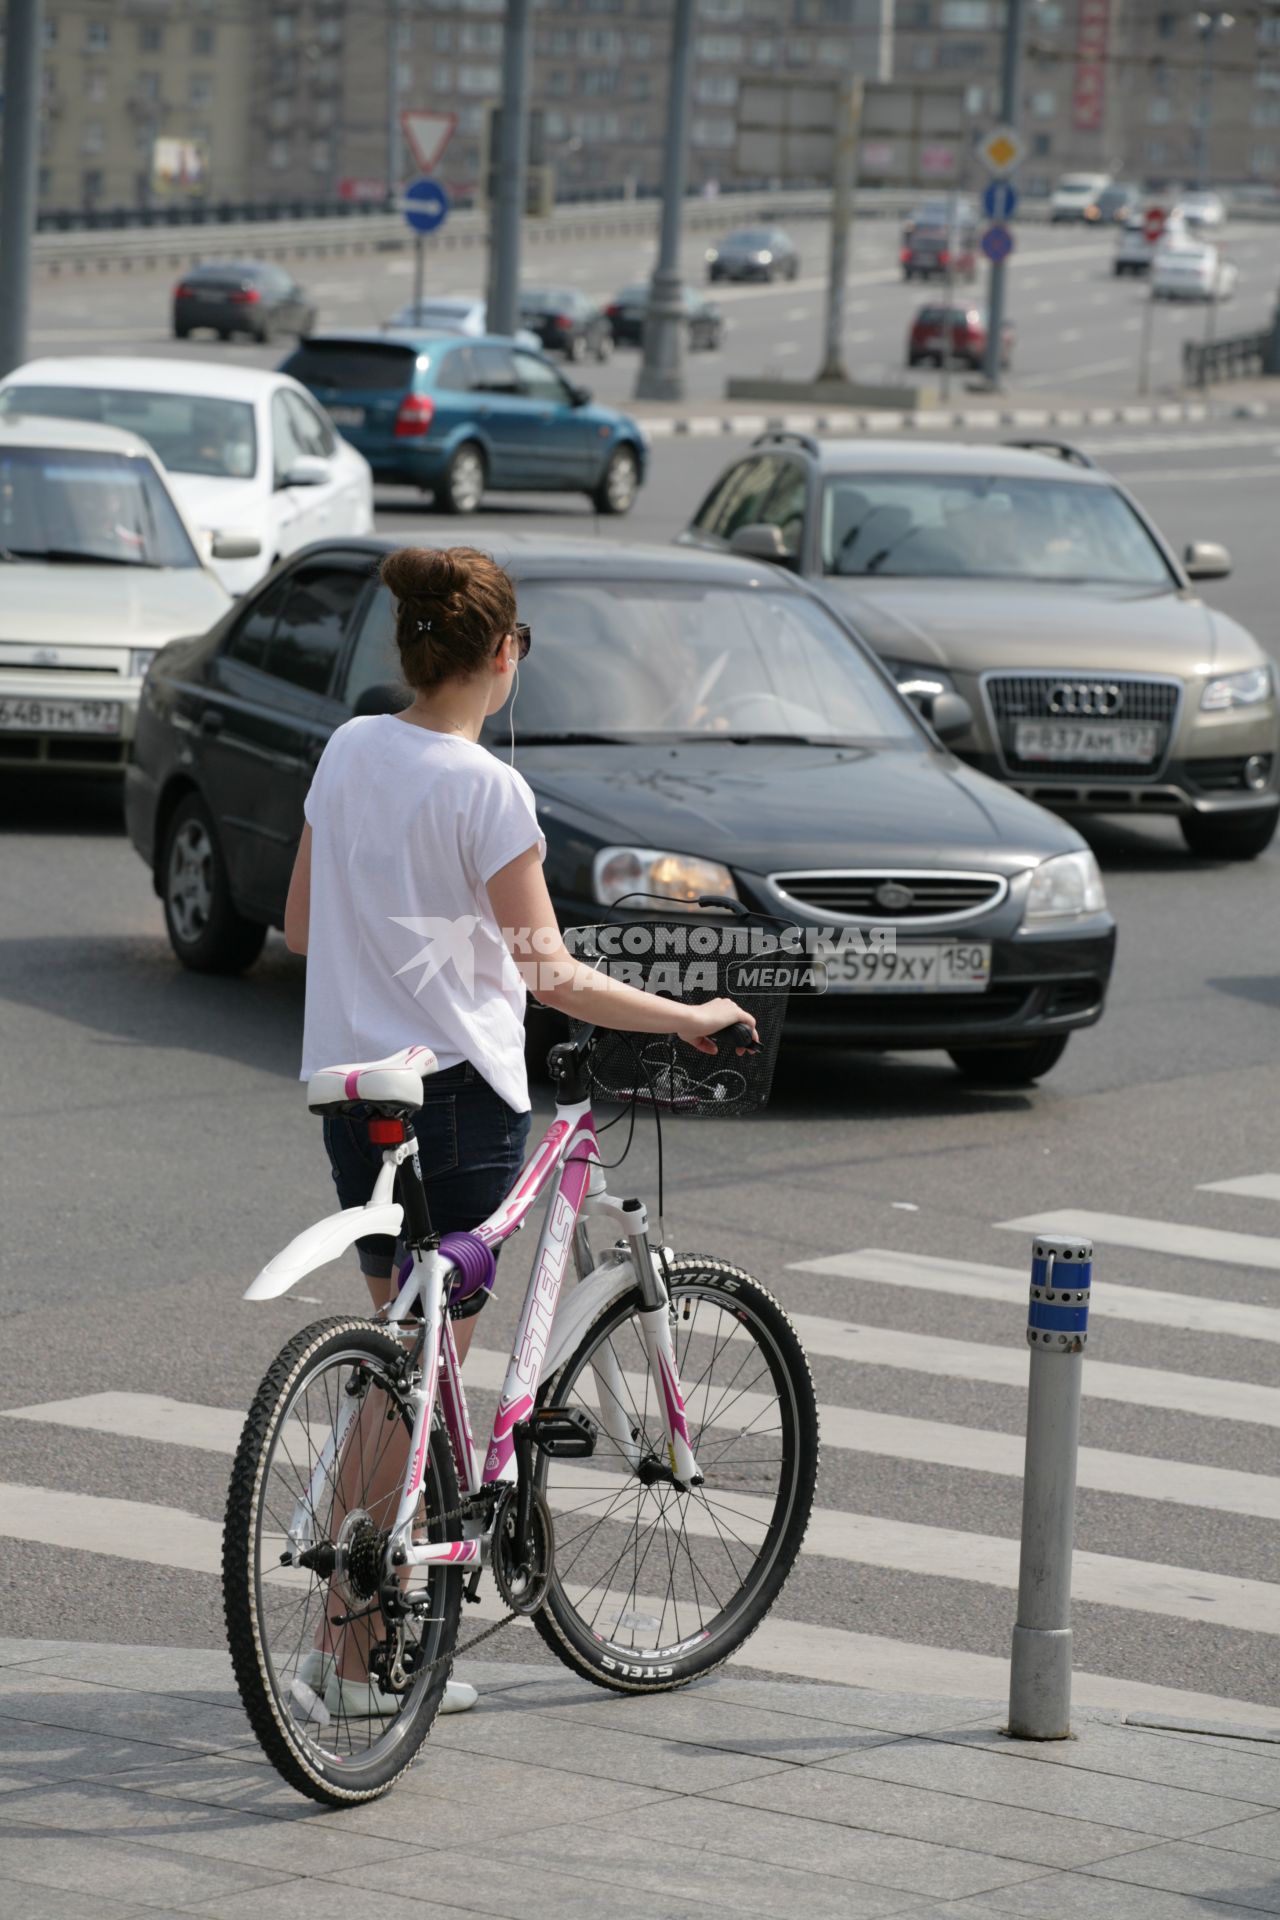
[(393, 1082)]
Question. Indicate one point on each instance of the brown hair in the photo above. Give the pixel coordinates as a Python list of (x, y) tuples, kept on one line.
[(452, 608)]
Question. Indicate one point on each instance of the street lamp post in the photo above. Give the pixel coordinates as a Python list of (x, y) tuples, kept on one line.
[(1208, 25), (661, 375)]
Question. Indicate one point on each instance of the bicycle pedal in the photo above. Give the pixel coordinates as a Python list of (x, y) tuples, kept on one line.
[(564, 1433)]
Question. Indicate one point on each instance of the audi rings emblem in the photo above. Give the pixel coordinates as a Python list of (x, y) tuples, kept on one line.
[(1094, 698)]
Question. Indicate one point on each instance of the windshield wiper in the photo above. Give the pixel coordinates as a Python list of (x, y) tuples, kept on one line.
[(76, 556)]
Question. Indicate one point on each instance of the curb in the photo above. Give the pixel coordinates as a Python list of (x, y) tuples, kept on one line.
[(713, 426)]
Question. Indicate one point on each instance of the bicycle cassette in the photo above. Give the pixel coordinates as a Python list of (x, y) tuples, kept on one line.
[(522, 1580)]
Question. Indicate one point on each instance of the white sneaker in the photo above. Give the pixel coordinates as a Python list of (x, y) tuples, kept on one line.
[(314, 1670), (458, 1697), (366, 1700)]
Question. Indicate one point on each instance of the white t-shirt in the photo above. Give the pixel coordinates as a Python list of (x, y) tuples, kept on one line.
[(407, 826)]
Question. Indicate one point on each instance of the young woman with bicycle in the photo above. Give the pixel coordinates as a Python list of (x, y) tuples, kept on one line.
[(414, 830)]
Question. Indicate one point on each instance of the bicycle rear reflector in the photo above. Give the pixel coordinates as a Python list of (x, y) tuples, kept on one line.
[(386, 1133)]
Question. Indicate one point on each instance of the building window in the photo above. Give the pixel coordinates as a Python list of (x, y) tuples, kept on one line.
[(97, 36), (150, 36), (49, 32), (1269, 30), (1262, 160), (1167, 24), (1041, 144), (1044, 104), (45, 186), (719, 46), (91, 184), (1048, 16), (278, 155), (1159, 112), (970, 16), (558, 83), (479, 79), (95, 86), (640, 46), (202, 42), (280, 112), (721, 9), (598, 83), (320, 156), (149, 87), (913, 16), (600, 43), (1265, 113), (404, 76), (485, 36), (716, 89), (442, 78), (922, 57), (961, 53), (1157, 153), (799, 53), (712, 131), (638, 85), (554, 125), (93, 137), (833, 53), (200, 91), (442, 36), (763, 52), (639, 132), (283, 33), (975, 99)]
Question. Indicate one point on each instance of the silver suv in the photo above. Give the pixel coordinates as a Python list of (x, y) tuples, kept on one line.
[(1026, 583)]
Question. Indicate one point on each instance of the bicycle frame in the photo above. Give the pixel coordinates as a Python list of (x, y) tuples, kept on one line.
[(567, 1162)]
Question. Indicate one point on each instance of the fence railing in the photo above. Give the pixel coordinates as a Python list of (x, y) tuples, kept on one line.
[(1234, 357)]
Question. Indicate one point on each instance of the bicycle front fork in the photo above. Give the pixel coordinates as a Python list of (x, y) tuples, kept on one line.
[(614, 1397)]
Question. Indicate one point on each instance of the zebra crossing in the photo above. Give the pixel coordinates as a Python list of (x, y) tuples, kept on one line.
[(1184, 1584)]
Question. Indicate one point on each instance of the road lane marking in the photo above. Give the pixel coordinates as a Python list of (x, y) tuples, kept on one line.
[(1255, 1186), (1061, 375), (1155, 1236), (802, 313), (860, 1430), (862, 335), (967, 1280), (1158, 476)]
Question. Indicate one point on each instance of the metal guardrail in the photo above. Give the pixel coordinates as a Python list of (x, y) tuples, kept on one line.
[(1234, 357)]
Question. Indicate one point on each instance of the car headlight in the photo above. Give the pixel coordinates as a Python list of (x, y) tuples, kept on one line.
[(1237, 690), (619, 871), (764, 258), (139, 660), (920, 683), (713, 253), (1065, 888)]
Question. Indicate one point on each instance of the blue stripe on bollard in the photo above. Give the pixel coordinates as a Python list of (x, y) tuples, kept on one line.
[(1047, 1319), (1067, 1274)]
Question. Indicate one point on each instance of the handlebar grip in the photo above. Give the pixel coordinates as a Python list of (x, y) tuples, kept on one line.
[(738, 1035)]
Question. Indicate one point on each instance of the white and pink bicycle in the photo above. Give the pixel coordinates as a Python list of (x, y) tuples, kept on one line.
[(647, 1481)]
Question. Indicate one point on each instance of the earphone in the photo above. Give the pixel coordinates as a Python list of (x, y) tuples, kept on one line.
[(511, 712)]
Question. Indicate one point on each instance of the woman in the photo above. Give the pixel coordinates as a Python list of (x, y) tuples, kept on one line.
[(419, 898)]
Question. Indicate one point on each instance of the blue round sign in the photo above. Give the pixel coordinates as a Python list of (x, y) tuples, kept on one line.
[(425, 205), (1000, 200), (997, 243)]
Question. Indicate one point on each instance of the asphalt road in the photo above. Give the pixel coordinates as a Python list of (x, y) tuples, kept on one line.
[(1079, 328), (158, 1150)]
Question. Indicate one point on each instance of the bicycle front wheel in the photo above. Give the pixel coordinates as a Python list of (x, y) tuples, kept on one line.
[(313, 1495), (654, 1585)]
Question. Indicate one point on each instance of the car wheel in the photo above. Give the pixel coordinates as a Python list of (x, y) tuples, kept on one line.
[(1015, 1065), (206, 932), (604, 345), (1225, 839), (464, 479), (181, 333), (224, 333), (576, 349), (263, 335), (769, 276), (793, 270), (619, 483)]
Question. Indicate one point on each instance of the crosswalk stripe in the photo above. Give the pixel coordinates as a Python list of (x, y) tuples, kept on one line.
[(1254, 1186), (1156, 1236), (142, 1416), (165, 1536), (968, 1280)]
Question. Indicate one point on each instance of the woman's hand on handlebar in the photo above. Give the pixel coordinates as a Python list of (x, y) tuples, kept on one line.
[(698, 1025)]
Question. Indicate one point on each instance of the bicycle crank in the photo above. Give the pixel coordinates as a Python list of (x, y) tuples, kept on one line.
[(523, 1557)]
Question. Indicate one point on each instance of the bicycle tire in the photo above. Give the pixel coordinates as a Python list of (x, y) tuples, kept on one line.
[(299, 1759), (580, 1643)]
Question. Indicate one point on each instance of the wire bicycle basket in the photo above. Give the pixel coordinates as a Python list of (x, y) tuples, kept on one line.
[(691, 961)]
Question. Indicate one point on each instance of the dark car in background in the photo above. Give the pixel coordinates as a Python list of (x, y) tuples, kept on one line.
[(939, 244), (690, 724), (1032, 584), (456, 416), (250, 296), (754, 253), (954, 336), (628, 310), (1114, 205), (566, 321)]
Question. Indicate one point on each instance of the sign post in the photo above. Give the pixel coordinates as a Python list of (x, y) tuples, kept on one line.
[(1000, 153), (425, 206), (848, 116), (1153, 225), (427, 135)]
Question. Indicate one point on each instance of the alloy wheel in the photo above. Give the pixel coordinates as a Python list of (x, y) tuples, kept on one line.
[(190, 881)]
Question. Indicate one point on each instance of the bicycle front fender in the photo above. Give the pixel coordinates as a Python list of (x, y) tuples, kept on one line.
[(322, 1243)]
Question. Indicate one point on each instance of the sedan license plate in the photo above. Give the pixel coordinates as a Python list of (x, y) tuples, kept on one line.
[(1099, 740), (60, 716), (347, 416), (935, 967)]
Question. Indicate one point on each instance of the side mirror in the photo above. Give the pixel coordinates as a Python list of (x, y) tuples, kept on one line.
[(382, 697), (1206, 560), (307, 471), (760, 542), (231, 544), (950, 716), (579, 396)]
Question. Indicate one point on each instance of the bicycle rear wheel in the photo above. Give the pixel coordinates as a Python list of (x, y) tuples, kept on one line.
[(654, 1586), (319, 1470)]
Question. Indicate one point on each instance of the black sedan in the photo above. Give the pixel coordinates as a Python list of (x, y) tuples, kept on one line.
[(566, 322), (691, 725), (754, 253), (627, 314), (248, 296)]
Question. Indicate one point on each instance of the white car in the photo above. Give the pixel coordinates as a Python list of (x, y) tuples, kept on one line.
[(453, 313), (1134, 252), (98, 571), (1191, 270), (1204, 211), (257, 465), (1074, 193)]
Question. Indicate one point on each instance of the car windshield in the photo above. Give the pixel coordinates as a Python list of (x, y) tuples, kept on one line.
[(634, 296), (750, 237), (1078, 183), (631, 659), (981, 526), (537, 299), (190, 432), (69, 505)]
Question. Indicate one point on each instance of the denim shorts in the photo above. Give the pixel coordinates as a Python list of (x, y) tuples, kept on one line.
[(471, 1146)]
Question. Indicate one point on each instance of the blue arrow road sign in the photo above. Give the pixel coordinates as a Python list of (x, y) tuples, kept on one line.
[(1000, 200), (425, 205), (997, 243)]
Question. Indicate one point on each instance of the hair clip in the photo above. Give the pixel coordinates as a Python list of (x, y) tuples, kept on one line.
[(424, 626)]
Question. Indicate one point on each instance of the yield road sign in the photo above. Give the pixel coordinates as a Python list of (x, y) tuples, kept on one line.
[(426, 136), (425, 205), (1001, 150), (1000, 200), (1153, 223), (997, 243)]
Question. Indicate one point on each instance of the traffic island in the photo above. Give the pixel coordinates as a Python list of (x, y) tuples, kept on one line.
[(837, 393)]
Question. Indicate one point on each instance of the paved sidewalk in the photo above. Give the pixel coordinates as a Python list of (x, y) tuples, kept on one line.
[(129, 1787)]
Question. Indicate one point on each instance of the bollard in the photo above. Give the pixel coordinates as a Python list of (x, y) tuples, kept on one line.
[(1057, 1330)]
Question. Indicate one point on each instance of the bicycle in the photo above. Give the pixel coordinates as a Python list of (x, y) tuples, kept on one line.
[(643, 1496)]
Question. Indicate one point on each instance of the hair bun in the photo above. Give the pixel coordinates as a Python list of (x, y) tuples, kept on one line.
[(429, 576)]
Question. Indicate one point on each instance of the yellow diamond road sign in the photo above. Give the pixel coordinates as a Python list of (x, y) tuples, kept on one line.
[(1001, 150)]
